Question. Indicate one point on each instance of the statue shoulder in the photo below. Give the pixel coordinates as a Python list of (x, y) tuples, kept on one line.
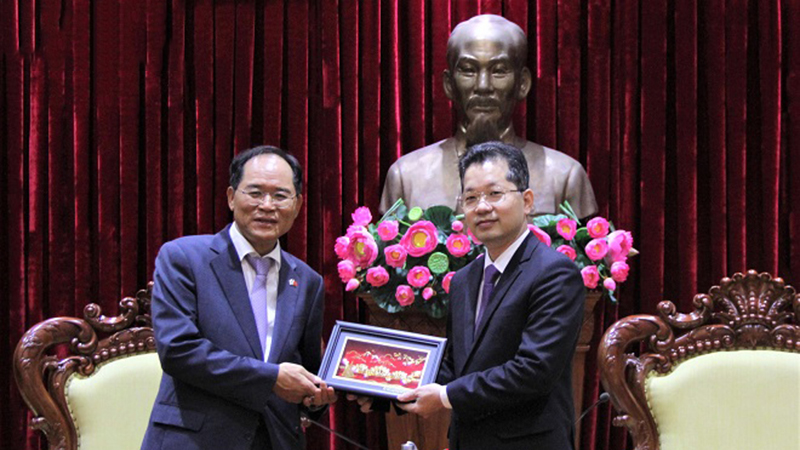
[(430, 154)]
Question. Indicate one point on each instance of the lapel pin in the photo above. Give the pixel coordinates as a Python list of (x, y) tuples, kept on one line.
[(292, 282)]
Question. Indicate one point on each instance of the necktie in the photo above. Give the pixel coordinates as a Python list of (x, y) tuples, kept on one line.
[(489, 278), (258, 296)]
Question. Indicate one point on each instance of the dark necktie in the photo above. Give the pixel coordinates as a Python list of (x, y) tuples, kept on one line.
[(489, 278)]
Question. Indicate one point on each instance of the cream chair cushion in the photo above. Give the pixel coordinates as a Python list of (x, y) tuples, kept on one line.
[(732, 400), (111, 407)]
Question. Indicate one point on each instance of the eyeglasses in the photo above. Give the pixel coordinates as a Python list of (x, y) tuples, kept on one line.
[(471, 200), (278, 199)]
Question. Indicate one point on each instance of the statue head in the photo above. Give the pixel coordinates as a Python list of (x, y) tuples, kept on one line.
[(486, 75)]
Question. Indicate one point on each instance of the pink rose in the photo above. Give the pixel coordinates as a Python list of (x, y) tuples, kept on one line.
[(362, 249), (590, 276), (352, 285), (596, 249), (404, 295), (457, 226), (362, 216), (567, 250), (620, 243), (475, 240), (347, 270), (458, 245), (427, 293), (446, 281), (540, 234), (387, 230), (597, 227), (418, 276), (340, 247), (619, 271), (395, 255), (420, 239), (377, 276), (567, 228), (609, 284)]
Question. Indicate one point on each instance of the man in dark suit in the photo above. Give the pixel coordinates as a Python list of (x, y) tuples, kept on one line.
[(514, 320), (237, 322)]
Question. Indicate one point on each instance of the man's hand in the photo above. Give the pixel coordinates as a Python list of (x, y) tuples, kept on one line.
[(364, 403), (295, 383), (427, 403), (325, 396)]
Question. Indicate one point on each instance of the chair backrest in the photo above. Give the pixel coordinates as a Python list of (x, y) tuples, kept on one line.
[(726, 375), (91, 382)]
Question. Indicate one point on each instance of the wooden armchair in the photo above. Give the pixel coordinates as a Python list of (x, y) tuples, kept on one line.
[(725, 376), (91, 382)]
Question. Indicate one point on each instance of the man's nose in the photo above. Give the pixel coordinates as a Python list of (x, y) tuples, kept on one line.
[(484, 82)]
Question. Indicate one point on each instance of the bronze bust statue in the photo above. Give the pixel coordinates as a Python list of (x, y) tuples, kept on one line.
[(485, 79)]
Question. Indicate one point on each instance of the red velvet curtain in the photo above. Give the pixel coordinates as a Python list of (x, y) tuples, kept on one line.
[(119, 119)]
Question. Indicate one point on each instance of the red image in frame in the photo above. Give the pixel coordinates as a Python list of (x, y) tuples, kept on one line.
[(380, 364)]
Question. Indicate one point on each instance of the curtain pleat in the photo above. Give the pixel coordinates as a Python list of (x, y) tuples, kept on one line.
[(120, 118)]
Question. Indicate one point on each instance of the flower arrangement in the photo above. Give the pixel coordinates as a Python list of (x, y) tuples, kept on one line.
[(599, 250), (408, 257)]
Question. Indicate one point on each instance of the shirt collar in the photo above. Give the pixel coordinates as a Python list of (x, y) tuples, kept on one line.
[(502, 261), (244, 247)]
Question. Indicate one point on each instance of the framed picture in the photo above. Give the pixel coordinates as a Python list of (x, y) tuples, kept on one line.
[(379, 362)]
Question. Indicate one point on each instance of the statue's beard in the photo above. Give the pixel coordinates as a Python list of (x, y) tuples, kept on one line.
[(480, 130)]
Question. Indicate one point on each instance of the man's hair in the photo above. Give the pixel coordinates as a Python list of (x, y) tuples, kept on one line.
[(519, 41), (237, 165), (495, 151)]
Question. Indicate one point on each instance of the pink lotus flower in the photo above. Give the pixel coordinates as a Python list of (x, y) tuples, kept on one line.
[(590, 276), (362, 216), (609, 284), (596, 249), (362, 249), (388, 230), (458, 245), (395, 255), (475, 240), (569, 251), (540, 234), (377, 276), (352, 285), (341, 246), (404, 295), (427, 293), (457, 226), (567, 228), (597, 227), (418, 276), (619, 271), (446, 281), (347, 270), (620, 243), (420, 239)]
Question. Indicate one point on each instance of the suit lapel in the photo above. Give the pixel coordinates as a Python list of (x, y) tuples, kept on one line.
[(285, 306), (228, 269), (467, 311), (514, 268)]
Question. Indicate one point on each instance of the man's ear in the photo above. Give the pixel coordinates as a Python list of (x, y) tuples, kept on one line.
[(527, 199), (230, 193), (525, 82), (297, 205), (448, 83)]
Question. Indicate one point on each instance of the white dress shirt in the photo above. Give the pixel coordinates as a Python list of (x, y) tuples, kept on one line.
[(244, 248)]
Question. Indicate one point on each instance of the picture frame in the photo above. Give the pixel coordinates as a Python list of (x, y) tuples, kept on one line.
[(379, 362)]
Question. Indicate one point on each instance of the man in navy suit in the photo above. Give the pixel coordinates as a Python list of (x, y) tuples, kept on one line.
[(237, 322), (514, 320)]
